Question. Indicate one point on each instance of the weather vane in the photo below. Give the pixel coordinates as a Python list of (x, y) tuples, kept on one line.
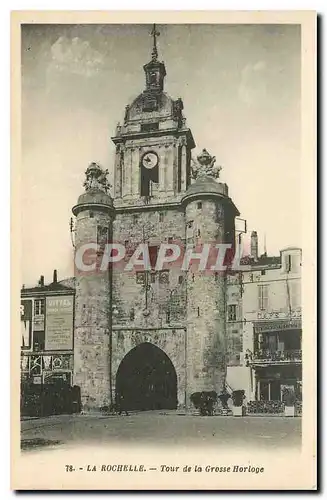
[(155, 34)]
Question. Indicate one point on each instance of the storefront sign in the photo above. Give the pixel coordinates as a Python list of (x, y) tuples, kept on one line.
[(59, 323), (272, 326), (278, 315), (26, 309)]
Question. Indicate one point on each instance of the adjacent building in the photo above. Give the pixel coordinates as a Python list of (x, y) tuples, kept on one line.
[(47, 333), (264, 319)]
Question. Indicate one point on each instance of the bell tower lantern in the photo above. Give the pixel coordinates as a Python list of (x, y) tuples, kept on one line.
[(155, 71)]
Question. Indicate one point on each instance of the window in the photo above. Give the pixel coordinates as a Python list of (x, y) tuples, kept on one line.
[(199, 205), (263, 272), (180, 280), (150, 103), (263, 297), (102, 236), (91, 215), (153, 78), (231, 312), (149, 127), (38, 307), (153, 254), (161, 216), (140, 277), (288, 263), (38, 341), (164, 277), (153, 277), (170, 239)]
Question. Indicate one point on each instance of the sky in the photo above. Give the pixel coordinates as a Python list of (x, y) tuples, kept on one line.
[(241, 89)]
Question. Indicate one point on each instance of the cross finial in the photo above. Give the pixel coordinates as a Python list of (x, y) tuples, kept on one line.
[(154, 33)]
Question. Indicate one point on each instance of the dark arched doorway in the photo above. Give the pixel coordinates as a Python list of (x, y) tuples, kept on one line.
[(146, 379)]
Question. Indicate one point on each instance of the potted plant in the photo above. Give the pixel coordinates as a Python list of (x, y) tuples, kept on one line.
[(238, 398), (204, 401), (289, 402)]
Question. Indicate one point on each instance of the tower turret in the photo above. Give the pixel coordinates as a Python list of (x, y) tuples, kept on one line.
[(92, 351), (209, 218)]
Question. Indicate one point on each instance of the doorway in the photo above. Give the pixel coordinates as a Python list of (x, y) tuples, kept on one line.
[(146, 380)]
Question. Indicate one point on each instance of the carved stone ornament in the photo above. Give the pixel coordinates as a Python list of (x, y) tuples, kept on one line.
[(205, 166), (96, 178)]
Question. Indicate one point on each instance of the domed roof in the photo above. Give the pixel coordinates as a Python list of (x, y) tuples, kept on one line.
[(206, 185), (95, 196), (159, 104)]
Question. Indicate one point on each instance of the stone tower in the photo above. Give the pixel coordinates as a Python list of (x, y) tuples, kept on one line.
[(209, 219), (93, 228), (150, 335), (168, 335)]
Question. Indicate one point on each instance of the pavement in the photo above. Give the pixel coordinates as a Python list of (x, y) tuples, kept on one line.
[(158, 428)]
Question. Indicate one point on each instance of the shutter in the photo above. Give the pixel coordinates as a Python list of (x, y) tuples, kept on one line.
[(265, 297), (260, 304)]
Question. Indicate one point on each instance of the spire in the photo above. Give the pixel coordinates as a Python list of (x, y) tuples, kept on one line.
[(154, 33), (155, 70)]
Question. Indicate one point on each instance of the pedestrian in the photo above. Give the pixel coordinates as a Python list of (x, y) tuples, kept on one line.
[(122, 405)]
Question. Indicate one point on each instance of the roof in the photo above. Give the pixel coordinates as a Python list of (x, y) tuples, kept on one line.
[(263, 260), (205, 186), (95, 196), (52, 287)]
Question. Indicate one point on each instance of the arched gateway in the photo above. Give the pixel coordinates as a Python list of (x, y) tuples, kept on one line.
[(146, 378)]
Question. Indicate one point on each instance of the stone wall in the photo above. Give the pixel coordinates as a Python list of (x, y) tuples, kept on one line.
[(92, 321), (206, 335), (165, 298)]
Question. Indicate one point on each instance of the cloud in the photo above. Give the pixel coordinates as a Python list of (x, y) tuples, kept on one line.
[(252, 85), (75, 56)]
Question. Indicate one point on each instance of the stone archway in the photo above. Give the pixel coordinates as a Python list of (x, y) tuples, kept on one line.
[(146, 379)]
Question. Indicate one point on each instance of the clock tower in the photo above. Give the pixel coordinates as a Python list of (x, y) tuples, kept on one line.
[(153, 144), (166, 327)]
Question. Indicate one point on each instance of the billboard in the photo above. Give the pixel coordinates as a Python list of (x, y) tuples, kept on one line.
[(26, 313), (59, 323)]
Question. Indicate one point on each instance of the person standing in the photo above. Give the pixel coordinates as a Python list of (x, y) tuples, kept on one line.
[(122, 405)]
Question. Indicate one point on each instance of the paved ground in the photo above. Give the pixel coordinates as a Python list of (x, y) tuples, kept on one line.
[(154, 428)]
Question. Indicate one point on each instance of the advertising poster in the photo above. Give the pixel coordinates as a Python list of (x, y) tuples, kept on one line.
[(59, 323), (26, 307)]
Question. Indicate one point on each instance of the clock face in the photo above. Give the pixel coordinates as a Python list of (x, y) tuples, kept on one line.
[(150, 160)]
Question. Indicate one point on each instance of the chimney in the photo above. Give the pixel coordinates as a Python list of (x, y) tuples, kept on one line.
[(55, 278), (41, 281), (254, 245)]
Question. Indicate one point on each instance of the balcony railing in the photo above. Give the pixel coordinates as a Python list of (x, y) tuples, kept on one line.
[(268, 356)]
